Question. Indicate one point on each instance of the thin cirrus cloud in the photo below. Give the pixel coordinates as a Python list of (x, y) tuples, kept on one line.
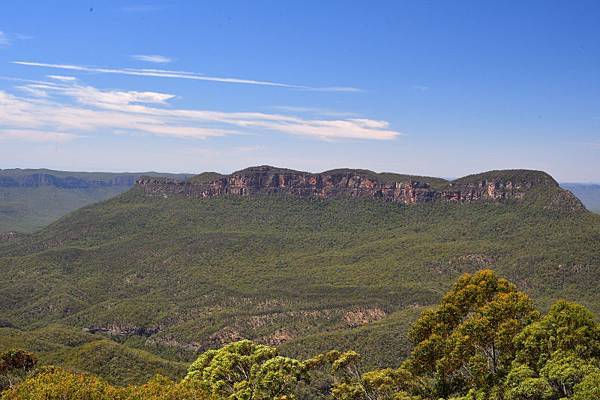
[(7, 40), (4, 40), (152, 58), (64, 110), (38, 136), (159, 73), (62, 78)]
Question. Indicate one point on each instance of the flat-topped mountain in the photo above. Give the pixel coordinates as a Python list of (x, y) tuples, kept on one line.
[(507, 185)]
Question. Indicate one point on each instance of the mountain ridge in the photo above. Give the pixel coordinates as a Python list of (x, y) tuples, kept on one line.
[(498, 185)]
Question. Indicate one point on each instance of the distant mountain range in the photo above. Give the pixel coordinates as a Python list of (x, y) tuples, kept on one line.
[(588, 193), (32, 198), (344, 259)]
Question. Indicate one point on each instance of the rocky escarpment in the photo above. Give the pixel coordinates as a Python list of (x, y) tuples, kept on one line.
[(494, 186)]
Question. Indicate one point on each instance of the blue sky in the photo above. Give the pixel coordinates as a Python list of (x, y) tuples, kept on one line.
[(426, 87)]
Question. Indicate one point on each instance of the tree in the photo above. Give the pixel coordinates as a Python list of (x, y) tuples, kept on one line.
[(467, 341), (562, 348), (14, 367), (566, 327), (564, 370), (52, 383), (523, 384), (246, 371), (588, 388), (382, 384)]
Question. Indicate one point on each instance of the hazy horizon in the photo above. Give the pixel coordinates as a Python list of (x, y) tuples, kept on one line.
[(278, 166)]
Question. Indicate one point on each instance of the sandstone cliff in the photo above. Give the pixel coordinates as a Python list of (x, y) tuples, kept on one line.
[(495, 186)]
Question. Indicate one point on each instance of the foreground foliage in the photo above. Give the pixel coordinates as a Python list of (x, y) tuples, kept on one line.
[(484, 341)]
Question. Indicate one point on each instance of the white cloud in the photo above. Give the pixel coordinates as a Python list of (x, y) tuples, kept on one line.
[(180, 75), (33, 91), (62, 78), (4, 40), (314, 111), (72, 108), (152, 58), (7, 40), (34, 135)]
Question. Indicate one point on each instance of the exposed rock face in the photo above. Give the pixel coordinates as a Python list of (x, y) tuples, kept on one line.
[(7, 236), (117, 330), (492, 186), (363, 316)]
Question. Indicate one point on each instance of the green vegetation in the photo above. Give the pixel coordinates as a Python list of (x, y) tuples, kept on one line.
[(30, 209), (145, 284), (485, 340), (206, 177), (72, 348), (30, 199)]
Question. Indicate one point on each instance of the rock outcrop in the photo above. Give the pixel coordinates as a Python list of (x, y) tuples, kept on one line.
[(8, 236), (494, 186)]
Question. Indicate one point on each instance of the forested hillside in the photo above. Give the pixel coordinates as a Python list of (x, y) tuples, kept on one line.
[(485, 340), (30, 199), (152, 280)]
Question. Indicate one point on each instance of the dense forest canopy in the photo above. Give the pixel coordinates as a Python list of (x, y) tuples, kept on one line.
[(484, 340)]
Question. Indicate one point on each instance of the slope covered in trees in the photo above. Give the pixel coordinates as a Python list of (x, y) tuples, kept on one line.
[(158, 280), (30, 199), (485, 340)]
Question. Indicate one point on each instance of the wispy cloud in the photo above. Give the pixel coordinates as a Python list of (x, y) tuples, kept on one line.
[(8, 39), (325, 112), (62, 78), (35, 135), (4, 40), (180, 75), (152, 58), (73, 109)]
